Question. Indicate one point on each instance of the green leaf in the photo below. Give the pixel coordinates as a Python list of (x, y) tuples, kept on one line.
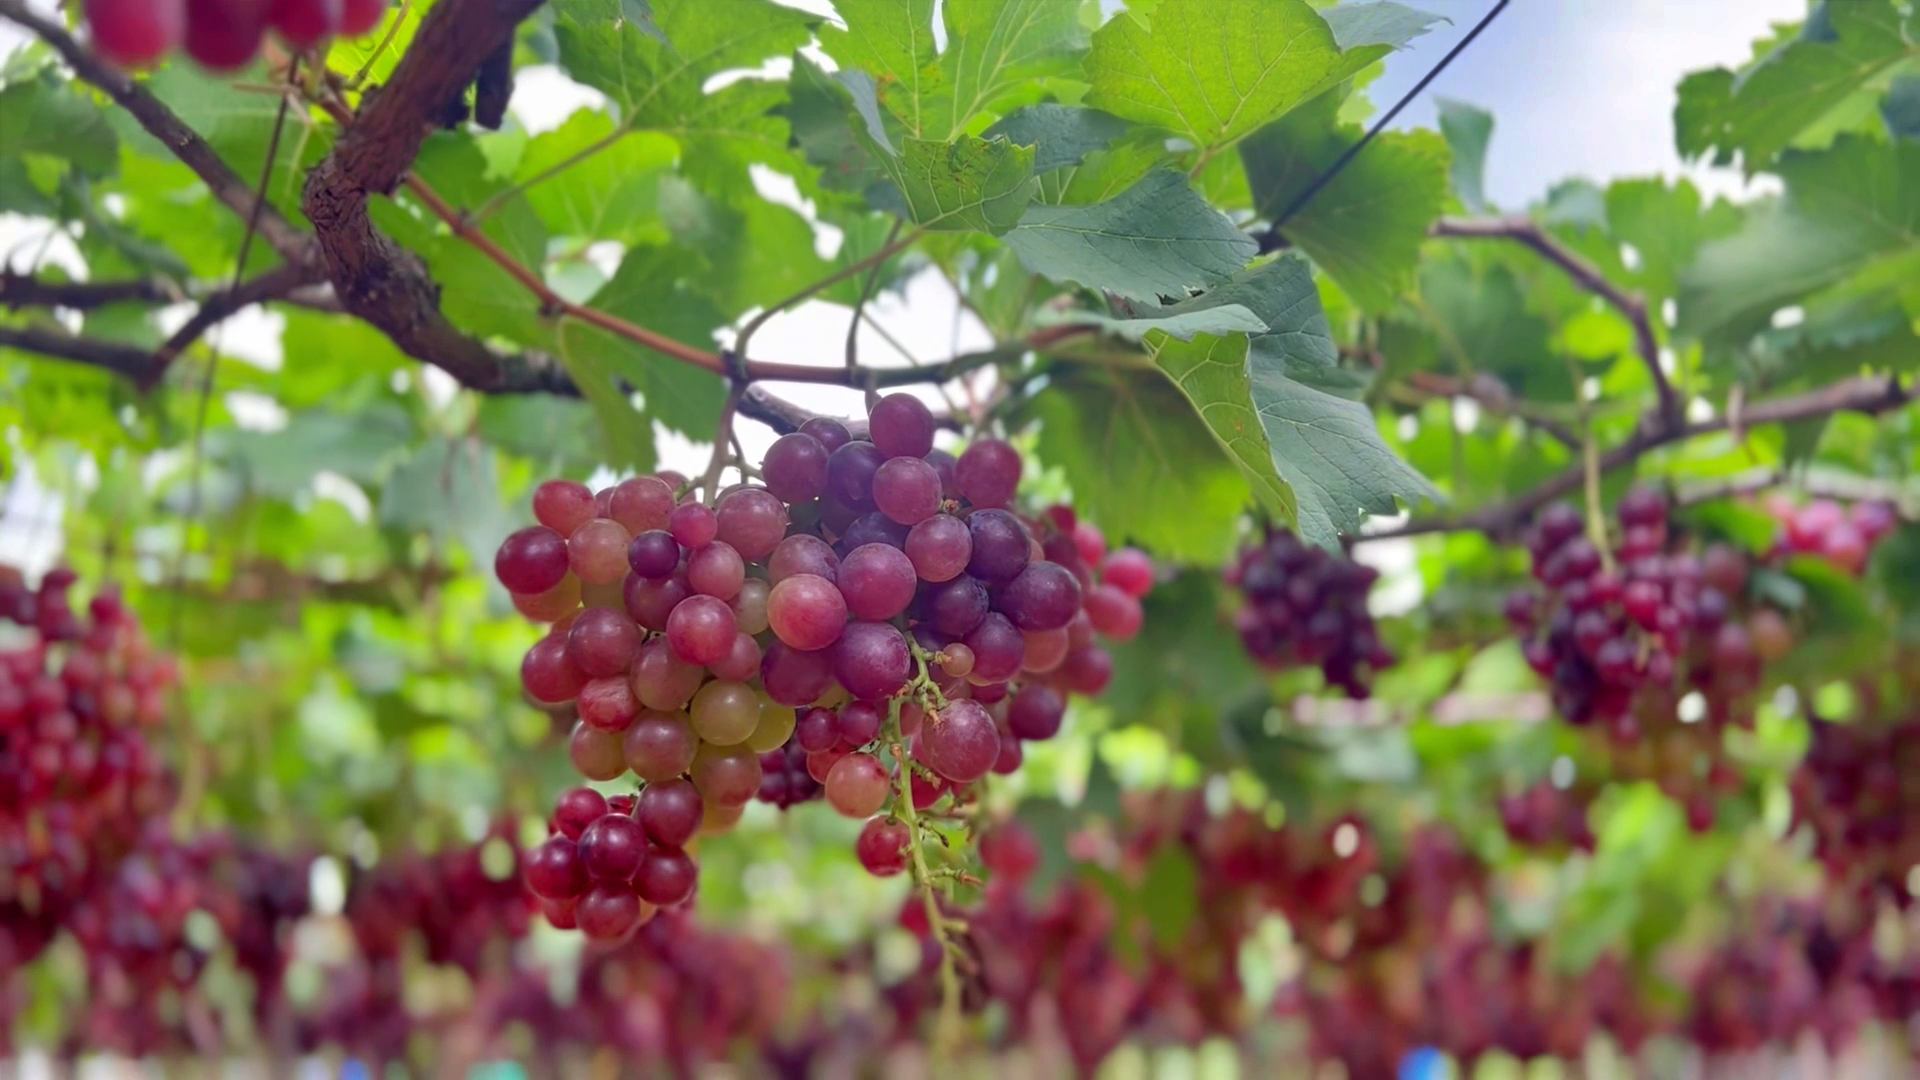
[(968, 183), (1142, 466), (1313, 457), (1666, 226), (448, 490), (1158, 238), (591, 180), (1365, 227), (1060, 135), (1175, 675), (1357, 26), (1182, 324), (46, 118), (1467, 129), (1850, 211), (1212, 72), (817, 110), (626, 440), (658, 83), (358, 445), (993, 48), (650, 288), (727, 244), (1794, 93)]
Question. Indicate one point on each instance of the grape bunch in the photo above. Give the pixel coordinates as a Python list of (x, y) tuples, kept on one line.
[(1305, 606), (1858, 792), (873, 602), (1844, 536), (77, 772), (1661, 652), (220, 34)]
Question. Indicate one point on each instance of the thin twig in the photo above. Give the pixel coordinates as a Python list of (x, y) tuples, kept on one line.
[(860, 305), (886, 251), (25, 290), (271, 285), (1865, 394), (722, 439), (1587, 276)]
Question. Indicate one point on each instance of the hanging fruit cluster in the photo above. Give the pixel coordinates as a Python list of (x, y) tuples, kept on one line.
[(1308, 607), (874, 618), (220, 34)]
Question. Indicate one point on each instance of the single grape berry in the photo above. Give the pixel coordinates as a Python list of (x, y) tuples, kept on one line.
[(576, 809), (882, 847), (225, 34), (532, 560), (858, 785), (612, 847), (795, 468), (960, 742), (988, 473), (135, 33), (669, 811)]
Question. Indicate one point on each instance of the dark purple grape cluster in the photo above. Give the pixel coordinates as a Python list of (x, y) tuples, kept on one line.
[(1622, 643), (220, 34), (77, 772), (1858, 792), (1547, 815), (1308, 607), (870, 595)]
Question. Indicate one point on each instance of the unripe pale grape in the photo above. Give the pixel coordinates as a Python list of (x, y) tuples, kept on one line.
[(775, 728), (725, 713), (596, 754)]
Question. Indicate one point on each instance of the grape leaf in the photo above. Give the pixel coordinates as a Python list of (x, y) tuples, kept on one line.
[(1060, 135), (448, 489), (658, 82), (992, 48), (1312, 457), (1182, 324), (1833, 65), (817, 112), (968, 183), (600, 192), (1378, 23), (1366, 225), (1666, 226), (651, 288), (1467, 129), (1141, 465), (1212, 72), (1158, 238), (45, 118), (1850, 210), (358, 445)]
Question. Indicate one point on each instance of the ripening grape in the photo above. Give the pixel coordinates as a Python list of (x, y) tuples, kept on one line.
[(609, 912), (960, 742), (830, 433), (729, 776), (135, 33), (612, 847), (641, 504), (693, 525), (669, 811), (906, 490), (304, 23), (666, 877), (701, 629), (1001, 546), (882, 847), (555, 870), (658, 746), (807, 612), (598, 551), (750, 606), (901, 425), (1045, 595), (795, 468), (596, 754), (988, 473), (850, 472), (225, 34), (576, 809), (857, 785), (871, 660), (939, 547), (877, 581), (753, 520)]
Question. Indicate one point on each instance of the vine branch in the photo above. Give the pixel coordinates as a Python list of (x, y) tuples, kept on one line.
[(25, 290), (1632, 306), (1866, 394)]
